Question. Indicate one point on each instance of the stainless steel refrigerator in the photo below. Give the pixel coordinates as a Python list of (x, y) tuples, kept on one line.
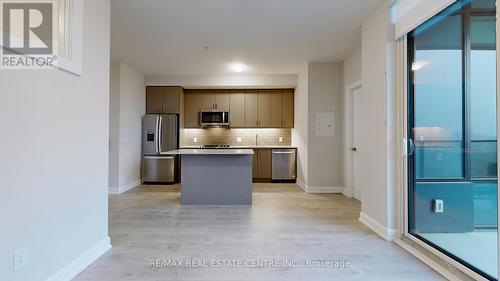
[(160, 133)]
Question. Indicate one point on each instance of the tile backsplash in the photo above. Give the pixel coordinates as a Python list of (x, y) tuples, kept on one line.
[(232, 136)]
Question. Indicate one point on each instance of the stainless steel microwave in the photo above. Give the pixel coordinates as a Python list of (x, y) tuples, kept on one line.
[(214, 118)]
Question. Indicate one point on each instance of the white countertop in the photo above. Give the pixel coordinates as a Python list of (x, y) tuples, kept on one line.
[(248, 147), (210, 152)]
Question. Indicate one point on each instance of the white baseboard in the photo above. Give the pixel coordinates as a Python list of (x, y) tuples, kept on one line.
[(348, 192), (382, 231), (125, 188), (312, 189), (79, 264), (302, 185), (324, 189)]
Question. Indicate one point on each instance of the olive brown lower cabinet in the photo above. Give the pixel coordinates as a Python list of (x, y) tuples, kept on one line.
[(262, 164)]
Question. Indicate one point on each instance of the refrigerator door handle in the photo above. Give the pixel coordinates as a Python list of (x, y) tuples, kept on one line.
[(157, 136), (160, 125)]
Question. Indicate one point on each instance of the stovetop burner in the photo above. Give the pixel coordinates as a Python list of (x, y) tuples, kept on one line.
[(215, 146)]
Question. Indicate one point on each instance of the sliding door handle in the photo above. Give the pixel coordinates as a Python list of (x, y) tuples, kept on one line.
[(411, 147)]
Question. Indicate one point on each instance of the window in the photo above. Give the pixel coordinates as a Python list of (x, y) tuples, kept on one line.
[(452, 168)]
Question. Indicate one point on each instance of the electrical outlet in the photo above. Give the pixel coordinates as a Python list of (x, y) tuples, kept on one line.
[(281, 139), (238, 139), (437, 206), (195, 140), (20, 258)]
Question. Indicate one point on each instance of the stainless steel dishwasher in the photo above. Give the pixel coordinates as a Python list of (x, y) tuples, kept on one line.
[(284, 164)]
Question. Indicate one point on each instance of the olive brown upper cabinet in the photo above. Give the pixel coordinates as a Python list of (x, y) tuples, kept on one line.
[(248, 108), (282, 110), (192, 108), (237, 109), (215, 100), (258, 109), (163, 100)]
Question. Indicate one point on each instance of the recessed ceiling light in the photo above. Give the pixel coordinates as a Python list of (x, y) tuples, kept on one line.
[(238, 67)]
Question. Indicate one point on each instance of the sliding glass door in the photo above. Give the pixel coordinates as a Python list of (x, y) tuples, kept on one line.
[(452, 163)]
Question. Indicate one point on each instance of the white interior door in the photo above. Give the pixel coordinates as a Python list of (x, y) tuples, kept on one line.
[(354, 143)]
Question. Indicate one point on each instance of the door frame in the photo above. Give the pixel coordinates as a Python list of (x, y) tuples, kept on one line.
[(348, 157), (402, 84)]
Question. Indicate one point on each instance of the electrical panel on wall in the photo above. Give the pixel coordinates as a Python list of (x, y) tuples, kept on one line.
[(325, 124)]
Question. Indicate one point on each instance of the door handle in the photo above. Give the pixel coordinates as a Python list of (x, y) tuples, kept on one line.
[(411, 147), (157, 136), (160, 132), (354, 149)]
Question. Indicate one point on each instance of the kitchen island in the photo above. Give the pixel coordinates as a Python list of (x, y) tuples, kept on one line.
[(215, 176)]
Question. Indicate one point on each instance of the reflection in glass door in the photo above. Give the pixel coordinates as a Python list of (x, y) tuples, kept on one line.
[(452, 135)]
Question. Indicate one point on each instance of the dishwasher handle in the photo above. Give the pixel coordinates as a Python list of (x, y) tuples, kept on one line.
[(159, 157), (283, 152)]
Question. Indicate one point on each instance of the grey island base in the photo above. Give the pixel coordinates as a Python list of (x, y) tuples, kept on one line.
[(215, 176)]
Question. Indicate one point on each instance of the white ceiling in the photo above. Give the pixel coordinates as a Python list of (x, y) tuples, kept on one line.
[(167, 37)]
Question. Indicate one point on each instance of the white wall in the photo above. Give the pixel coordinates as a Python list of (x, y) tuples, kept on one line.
[(114, 126), (352, 68), (54, 163), (300, 132), (325, 163), (376, 147), (320, 159), (224, 81), (127, 108)]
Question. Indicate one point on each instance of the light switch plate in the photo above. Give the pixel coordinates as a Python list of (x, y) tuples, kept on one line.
[(281, 139), (195, 140), (238, 139)]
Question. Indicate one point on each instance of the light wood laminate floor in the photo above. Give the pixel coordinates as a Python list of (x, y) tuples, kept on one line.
[(284, 225)]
